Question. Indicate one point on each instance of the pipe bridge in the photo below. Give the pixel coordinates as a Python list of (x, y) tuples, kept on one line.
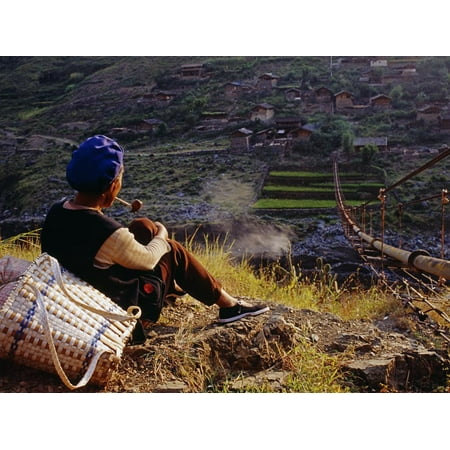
[(417, 259)]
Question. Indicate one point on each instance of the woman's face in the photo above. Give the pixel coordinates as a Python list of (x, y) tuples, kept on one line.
[(118, 184), (113, 190)]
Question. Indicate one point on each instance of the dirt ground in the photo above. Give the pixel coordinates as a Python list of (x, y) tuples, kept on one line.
[(187, 342)]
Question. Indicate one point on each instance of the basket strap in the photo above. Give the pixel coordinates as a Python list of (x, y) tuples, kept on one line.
[(133, 312), (56, 362)]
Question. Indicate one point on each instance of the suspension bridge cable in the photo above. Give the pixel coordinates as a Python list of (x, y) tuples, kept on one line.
[(427, 165)]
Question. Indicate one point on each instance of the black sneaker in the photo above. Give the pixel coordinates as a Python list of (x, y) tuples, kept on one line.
[(236, 312)]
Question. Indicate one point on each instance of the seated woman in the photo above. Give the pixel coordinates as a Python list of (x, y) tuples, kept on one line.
[(138, 265)]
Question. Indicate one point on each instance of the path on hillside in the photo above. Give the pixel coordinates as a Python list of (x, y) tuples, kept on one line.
[(58, 139)]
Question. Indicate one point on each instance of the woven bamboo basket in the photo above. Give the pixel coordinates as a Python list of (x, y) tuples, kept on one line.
[(53, 321)]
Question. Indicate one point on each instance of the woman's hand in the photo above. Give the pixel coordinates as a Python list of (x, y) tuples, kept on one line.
[(162, 231)]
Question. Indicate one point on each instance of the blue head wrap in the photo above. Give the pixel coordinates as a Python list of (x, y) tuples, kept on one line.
[(95, 164)]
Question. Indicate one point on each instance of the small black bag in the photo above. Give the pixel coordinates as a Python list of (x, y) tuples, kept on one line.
[(150, 296), (144, 289), (128, 287)]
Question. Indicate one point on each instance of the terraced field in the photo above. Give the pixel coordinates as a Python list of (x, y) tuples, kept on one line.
[(297, 189)]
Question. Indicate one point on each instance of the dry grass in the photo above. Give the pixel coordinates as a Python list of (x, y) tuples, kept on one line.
[(275, 283), (290, 287), (24, 246), (169, 354)]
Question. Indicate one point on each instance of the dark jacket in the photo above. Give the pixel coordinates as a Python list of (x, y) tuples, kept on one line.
[(74, 237)]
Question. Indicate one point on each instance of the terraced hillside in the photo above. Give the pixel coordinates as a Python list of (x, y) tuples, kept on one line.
[(297, 189)]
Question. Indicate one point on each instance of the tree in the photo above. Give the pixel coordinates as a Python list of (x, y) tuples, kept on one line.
[(347, 143), (396, 94), (368, 152), (421, 98), (161, 130)]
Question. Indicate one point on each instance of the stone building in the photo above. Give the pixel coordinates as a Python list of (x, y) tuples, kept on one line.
[(263, 112)]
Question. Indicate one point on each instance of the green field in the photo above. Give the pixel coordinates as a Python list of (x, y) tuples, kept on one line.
[(301, 174), (272, 203), (294, 173), (286, 185), (273, 188)]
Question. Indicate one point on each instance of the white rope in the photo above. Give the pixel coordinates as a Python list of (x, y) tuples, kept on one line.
[(133, 313), (119, 317), (55, 358)]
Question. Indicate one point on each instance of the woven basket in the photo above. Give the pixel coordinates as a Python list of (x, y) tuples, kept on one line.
[(11, 269), (54, 321)]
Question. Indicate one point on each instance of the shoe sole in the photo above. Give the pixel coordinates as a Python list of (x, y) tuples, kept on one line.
[(241, 316)]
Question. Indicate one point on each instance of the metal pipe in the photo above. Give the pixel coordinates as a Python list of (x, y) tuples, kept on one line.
[(419, 259)]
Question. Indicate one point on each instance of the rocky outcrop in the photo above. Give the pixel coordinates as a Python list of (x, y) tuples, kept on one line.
[(252, 352), (373, 359), (373, 356)]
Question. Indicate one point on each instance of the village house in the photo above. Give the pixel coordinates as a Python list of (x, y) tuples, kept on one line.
[(236, 89), (237, 119), (164, 96), (148, 125), (407, 70), (408, 73), (213, 121), (293, 94), (263, 112), (288, 123), (381, 101), (301, 134), (158, 97), (323, 95), (240, 139), (267, 81), (392, 76), (147, 97), (380, 142), (378, 63), (342, 100), (429, 114), (400, 73), (192, 71), (355, 60), (263, 137)]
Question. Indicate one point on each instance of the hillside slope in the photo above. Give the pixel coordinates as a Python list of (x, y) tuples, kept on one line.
[(176, 128), (285, 350)]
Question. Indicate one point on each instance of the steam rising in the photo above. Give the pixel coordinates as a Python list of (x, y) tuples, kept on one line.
[(256, 239)]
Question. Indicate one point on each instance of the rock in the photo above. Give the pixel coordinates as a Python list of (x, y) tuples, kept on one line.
[(358, 343), (411, 371), (251, 344), (172, 387), (276, 379)]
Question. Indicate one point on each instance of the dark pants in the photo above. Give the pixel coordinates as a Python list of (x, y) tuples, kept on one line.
[(179, 266)]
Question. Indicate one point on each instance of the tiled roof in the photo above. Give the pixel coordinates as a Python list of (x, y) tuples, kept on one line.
[(361, 141)]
